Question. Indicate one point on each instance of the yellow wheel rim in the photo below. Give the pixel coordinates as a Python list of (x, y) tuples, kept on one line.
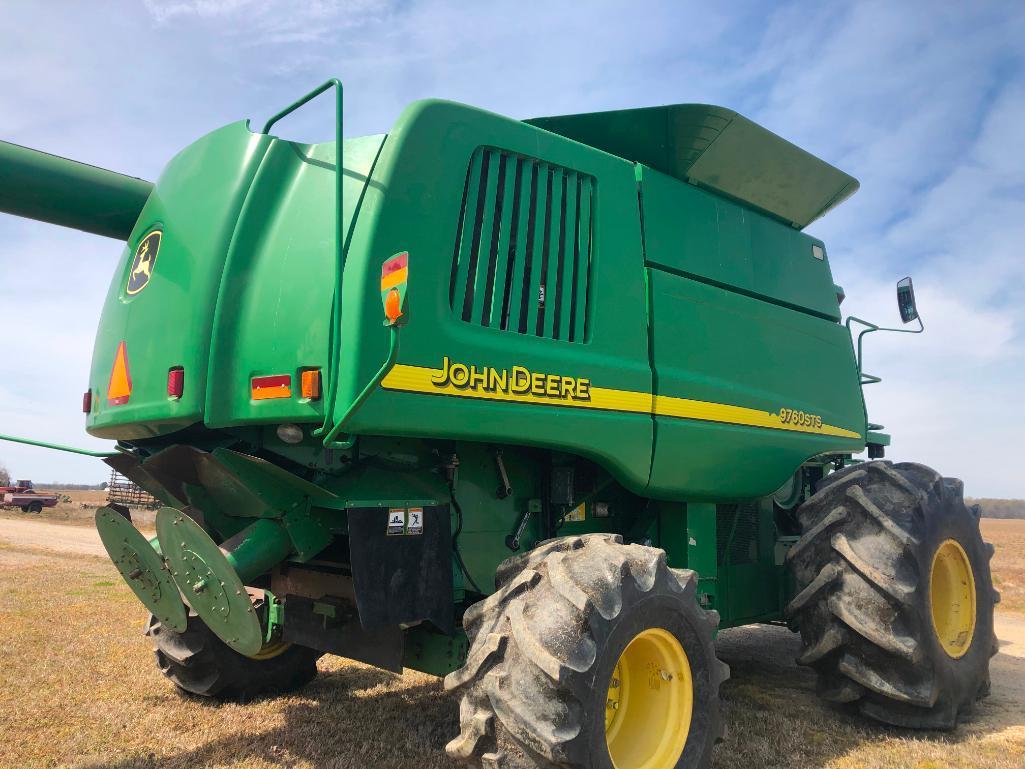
[(650, 702), (952, 598), (269, 651)]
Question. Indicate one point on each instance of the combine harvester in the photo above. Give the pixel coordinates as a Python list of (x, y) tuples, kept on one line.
[(622, 416)]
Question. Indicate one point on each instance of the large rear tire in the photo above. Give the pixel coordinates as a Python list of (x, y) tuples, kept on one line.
[(590, 654), (198, 662), (894, 595)]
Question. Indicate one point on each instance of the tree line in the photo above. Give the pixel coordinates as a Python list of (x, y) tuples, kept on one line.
[(1000, 508)]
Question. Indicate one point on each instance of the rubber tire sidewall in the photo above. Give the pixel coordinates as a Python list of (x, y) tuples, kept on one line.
[(665, 612), (959, 676)]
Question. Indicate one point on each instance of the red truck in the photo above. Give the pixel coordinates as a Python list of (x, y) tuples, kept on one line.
[(24, 495)]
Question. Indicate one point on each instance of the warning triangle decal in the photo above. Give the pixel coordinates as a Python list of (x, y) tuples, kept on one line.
[(120, 387)]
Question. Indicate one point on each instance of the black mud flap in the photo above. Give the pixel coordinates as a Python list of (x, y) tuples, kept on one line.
[(329, 625), (402, 565)]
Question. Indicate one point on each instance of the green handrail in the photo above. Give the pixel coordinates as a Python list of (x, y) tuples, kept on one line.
[(389, 364), (869, 328), (334, 342)]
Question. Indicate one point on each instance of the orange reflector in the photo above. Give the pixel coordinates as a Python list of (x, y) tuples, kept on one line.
[(311, 384), (120, 387), (267, 387), (393, 305)]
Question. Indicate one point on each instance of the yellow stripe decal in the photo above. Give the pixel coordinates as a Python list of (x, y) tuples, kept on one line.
[(685, 408), (421, 379)]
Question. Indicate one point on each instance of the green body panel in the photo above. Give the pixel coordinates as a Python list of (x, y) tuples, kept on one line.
[(414, 205), (196, 205), (274, 301), (722, 347), (642, 271), (694, 233), (242, 278), (53, 189)]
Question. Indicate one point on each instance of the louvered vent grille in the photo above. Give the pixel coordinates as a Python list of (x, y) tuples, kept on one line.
[(523, 247), (737, 529)]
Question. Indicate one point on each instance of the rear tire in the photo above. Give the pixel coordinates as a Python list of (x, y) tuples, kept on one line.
[(198, 662), (894, 595), (548, 677), (35, 507)]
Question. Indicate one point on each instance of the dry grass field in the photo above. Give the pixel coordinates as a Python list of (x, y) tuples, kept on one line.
[(80, 511), (78, 688), (1008, 537)]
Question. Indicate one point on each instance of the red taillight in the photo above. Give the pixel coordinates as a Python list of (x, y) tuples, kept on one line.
[(175, 382), (87, 401)]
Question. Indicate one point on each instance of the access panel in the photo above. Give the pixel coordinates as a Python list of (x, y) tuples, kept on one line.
[(745, 391)]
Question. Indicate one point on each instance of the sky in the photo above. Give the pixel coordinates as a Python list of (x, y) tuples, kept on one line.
[(923, 102)]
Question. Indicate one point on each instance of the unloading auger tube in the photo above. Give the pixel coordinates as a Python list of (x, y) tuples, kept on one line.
[(48, 188)]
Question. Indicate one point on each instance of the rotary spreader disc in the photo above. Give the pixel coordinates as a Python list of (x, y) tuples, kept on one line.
[(142, 568), (210, 585)]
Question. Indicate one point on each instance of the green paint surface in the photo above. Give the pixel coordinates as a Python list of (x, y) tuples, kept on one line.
[(627, 250)]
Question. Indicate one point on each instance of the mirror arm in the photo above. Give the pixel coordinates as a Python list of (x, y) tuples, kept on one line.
[(869, 328)]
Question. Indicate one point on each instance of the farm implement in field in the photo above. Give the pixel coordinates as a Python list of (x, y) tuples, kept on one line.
[(535, 405)]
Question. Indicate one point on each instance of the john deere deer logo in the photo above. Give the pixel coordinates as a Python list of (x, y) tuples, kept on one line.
[(143, 263)]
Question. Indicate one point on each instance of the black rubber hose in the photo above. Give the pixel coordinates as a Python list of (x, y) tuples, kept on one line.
[(455, 539)]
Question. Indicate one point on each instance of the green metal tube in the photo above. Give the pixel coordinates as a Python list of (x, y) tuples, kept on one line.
[(389, 364), (53, 189), (257, 548), (59, 447)]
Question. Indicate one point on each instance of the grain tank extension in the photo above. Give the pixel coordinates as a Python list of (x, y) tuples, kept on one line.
[(533, 405)]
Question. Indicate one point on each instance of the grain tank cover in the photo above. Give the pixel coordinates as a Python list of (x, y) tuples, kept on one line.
[(718, 149)]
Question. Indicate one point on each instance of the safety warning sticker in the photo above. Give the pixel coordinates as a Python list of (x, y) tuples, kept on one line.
[(576, 514), (396, 521), (415, 520)]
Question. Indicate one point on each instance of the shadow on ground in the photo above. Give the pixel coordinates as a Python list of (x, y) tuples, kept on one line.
[(353, 716)]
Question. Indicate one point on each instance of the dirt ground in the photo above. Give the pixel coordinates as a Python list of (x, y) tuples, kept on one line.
[(78, 688)]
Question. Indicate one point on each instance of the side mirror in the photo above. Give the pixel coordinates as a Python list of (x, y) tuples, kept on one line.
[(906, 300)]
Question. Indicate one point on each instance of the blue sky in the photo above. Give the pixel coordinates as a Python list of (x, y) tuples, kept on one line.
[(923, 102)]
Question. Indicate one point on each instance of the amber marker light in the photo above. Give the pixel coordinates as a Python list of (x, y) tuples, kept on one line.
[(310, 384), (393, 306)]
